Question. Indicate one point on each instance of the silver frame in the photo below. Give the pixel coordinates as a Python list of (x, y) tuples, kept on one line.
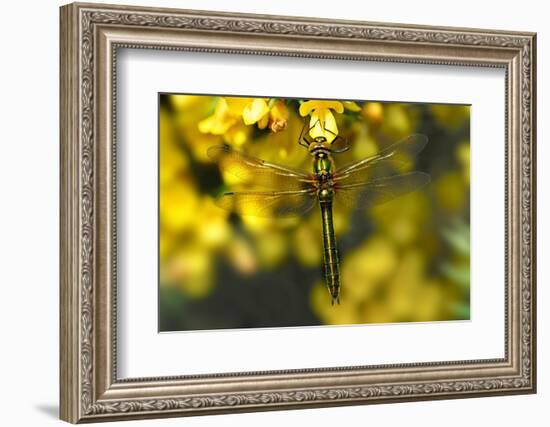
[(90, 37)]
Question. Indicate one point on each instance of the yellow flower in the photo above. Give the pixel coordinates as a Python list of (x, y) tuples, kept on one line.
[(281, 147), (256, 111), (226, 121), (178, 204), (266, 112), (212, 227), (278, 116), (373, 112), (197, 142), (189, 109), (219, 122), (233, 117), (237, 135), (322, 122), (173, 160), (237, 105)]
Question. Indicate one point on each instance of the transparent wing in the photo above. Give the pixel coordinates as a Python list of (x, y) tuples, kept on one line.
[(257, 172), (390, 161), (269, 204), (379, 191)]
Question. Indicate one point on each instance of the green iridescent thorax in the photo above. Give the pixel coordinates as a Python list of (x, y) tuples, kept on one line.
[(323, 167), (322, 164)]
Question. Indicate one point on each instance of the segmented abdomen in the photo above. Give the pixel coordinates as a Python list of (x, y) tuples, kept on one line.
[(330, 251)]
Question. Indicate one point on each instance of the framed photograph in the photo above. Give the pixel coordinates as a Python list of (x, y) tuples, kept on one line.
[(267, 212)]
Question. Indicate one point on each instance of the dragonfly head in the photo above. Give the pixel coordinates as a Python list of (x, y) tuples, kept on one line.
[(317, 148)]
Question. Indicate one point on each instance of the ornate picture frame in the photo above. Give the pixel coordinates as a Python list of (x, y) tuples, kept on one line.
[(90, 37)]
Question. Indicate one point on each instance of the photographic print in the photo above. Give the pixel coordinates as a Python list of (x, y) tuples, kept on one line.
[(278, 212)]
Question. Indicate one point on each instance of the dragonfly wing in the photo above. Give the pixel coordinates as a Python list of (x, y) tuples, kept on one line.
[(379, 191), (256, 172), (269, 204), (389, 161)]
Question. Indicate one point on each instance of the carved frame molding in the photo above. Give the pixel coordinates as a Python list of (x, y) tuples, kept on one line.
[(90, 37)]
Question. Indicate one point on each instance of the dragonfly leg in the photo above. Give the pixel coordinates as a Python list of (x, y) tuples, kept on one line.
[(304, 141), (338, 138)]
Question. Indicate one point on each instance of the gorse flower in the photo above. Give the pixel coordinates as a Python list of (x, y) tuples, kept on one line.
[(220, 121), (278, 116), (256, 111), (322, 122), (226, 121), (233, 116), (266, 113)]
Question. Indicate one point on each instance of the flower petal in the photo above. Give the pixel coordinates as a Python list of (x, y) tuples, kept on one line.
[(334, 105), (236, 105), (219, 122), (316, 128), (262, 123), (206, 125), (278, 117), (307, 107), (323, 125), (254, 111), (279, 111), (314, 104)]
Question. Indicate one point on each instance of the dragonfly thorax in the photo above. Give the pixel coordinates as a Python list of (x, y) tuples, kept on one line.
[(322, 164)]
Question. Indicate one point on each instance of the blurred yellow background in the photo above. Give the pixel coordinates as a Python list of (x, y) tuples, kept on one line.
[(404, 261)]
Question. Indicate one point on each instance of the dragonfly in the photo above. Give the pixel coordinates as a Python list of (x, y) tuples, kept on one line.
[(275, 190)]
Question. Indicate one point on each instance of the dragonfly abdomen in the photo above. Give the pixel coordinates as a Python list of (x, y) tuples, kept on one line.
[(330, 251)]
